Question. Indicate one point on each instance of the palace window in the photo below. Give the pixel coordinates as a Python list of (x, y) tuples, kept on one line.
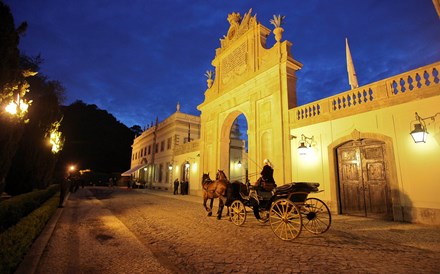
[(160, 172), (169, 143)]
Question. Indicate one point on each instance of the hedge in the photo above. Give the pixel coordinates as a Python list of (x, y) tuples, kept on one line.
[(17, 240), (15, 208)]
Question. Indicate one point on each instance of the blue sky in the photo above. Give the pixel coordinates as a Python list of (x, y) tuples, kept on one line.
[(138, 58)]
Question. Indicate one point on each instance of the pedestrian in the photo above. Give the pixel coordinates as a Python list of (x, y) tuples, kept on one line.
[(176, 187), (64, 185), (182, 187)]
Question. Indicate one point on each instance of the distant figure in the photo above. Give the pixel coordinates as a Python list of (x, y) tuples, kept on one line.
[(64, 185), (182, 187), (176, 187)]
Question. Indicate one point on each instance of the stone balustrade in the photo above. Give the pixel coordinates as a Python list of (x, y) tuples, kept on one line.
[(419, 83)]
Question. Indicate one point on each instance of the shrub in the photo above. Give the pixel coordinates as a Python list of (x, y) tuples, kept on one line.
[(15, 208), (17, 240)]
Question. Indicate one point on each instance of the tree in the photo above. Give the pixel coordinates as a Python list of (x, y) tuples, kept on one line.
[(34, 163), (136, 129), (12, 84), (94, 140)]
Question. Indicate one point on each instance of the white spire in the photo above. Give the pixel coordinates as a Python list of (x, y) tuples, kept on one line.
[(437, 6), (352, 79)]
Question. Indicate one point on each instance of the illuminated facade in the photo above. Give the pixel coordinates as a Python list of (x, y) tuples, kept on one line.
[(153, 151), (169, 150), (356, 144)]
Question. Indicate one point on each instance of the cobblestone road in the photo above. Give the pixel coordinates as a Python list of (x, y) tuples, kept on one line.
[(104, 230)]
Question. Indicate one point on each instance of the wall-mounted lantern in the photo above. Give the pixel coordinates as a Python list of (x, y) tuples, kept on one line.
[(420, 133), (170, 167), (186, 164), (239, 164), (304, 144)]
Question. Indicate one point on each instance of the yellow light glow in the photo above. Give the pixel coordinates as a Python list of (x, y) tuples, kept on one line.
[(11, 108), (55, 141), (55, 138), (24, 106), (20, 107)]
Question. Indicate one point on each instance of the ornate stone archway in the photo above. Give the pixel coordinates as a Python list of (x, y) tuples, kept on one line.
[(254, 80)]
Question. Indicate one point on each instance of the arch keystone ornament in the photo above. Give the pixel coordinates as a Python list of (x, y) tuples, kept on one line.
[(259, 83)]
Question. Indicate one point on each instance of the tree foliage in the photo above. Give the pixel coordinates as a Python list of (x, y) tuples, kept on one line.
[(11, 76), (33, 163), (94, 140), (136, 129)]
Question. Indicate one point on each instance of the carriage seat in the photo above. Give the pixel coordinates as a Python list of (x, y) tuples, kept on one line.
[(297, 187)]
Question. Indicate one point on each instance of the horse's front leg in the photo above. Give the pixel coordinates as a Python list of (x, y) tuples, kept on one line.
[(209, 210), (211, 205), (221, 204)]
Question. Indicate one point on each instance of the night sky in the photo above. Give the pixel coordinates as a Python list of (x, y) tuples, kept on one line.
[(138, 58)]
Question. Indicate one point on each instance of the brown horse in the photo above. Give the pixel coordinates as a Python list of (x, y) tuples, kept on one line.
[(215, 189)]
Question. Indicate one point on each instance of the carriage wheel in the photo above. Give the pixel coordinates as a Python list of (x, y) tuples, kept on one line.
[(238, 212), (264, 216), (285, 219), (316, 216)]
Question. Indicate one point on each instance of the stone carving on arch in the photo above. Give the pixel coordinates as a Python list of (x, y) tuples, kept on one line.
[(254, 80)]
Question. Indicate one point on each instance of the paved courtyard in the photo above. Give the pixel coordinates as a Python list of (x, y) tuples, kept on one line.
[(120, 230)]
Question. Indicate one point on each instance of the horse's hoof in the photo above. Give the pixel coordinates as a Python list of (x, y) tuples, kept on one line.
[(209, 214)]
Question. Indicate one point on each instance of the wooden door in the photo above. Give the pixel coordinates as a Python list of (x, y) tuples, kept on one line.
[(350, 181), (376, 188), (363, 186)]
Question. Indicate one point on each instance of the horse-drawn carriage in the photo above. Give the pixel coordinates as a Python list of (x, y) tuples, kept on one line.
[(287, 208)]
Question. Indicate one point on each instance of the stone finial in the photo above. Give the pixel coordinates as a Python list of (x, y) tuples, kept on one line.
[(178, 107), (209, 74), (277, 21)]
